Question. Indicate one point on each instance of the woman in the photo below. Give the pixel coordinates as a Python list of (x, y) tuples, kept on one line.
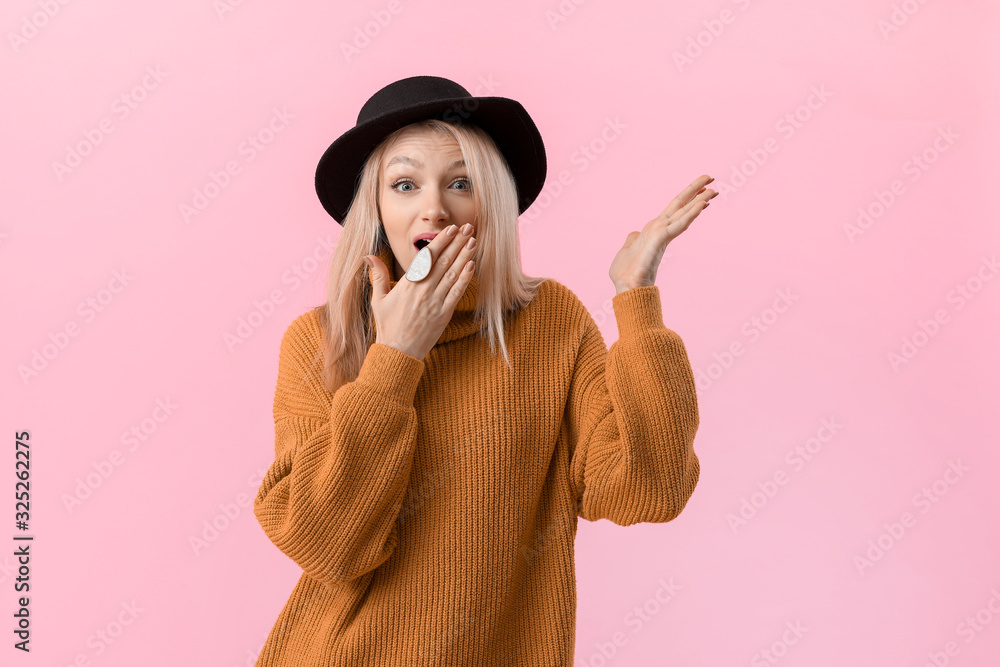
[(427, 483)]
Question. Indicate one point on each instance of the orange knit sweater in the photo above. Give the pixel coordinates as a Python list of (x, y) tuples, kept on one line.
[(432, 504)]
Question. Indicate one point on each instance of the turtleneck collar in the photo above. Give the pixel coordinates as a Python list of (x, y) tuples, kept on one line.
[(462, 321)]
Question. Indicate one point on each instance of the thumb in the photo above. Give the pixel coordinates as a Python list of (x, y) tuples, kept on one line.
[(380, 277)]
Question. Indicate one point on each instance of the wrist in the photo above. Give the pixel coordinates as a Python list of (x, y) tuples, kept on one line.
[(402, 348), (624, 287)]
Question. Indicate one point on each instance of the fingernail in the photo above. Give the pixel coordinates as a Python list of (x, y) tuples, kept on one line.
[(451, 230)]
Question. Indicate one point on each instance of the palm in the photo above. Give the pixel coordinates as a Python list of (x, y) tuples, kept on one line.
[(637, 262)]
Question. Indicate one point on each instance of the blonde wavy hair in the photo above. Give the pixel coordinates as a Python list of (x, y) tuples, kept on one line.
[(503, 288)]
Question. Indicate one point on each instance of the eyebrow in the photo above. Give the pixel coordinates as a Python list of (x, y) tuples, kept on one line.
[(403, 159)]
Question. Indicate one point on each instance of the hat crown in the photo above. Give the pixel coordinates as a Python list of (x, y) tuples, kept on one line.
[(410, 92)]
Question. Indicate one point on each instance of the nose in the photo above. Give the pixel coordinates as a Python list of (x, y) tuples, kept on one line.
[(433, 207)]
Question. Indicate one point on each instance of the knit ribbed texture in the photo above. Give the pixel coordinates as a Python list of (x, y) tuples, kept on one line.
[(432, 504)]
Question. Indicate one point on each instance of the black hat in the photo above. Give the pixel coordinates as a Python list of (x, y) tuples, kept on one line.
[(417, 98)]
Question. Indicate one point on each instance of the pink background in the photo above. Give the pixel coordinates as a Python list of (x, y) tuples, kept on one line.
[(596, 74)]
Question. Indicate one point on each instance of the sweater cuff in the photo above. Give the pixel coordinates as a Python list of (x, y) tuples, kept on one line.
[(638, 310), (391, 373)]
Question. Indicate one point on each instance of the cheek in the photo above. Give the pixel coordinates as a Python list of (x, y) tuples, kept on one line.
[(398, 239), (469, 210)]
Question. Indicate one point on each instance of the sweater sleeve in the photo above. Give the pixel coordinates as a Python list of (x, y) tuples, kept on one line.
[(631, 417), (331, 498)]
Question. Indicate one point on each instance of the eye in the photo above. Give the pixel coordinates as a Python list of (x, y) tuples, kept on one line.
[(398, 184)]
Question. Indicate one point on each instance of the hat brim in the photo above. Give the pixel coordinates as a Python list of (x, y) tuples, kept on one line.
[(338, 173)]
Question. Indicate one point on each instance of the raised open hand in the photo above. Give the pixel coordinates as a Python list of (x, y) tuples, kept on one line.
[(636, 263)]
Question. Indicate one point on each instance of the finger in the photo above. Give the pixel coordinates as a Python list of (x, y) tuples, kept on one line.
[(684, 197), (455, 270), (444, 260), (441, 241), (436, 247), (702, 197), (696, 188), (457, 290), (685, 217), (380, 276)]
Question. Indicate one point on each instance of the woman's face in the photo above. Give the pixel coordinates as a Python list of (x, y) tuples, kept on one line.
[(422, 191)]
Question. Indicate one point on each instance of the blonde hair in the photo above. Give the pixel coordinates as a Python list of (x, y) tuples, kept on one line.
[(503, 288)]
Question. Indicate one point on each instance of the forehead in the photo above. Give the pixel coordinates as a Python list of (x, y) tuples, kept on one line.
[(415, 146)]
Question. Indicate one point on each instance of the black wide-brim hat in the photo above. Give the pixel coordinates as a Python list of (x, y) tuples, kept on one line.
[(417, 98)]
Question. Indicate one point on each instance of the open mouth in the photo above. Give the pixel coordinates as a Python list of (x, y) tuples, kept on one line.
[(421, 243)]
